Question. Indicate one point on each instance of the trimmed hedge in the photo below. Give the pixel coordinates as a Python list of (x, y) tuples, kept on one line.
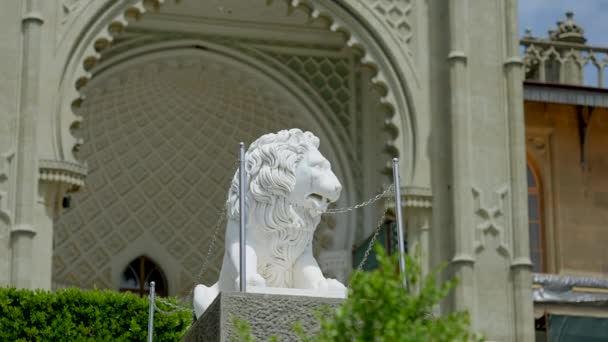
[(79, 315)]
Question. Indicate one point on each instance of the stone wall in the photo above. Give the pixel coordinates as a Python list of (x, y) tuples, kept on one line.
[(267, 315)]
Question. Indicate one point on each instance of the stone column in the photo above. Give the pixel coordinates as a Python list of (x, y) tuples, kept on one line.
[(11, 46), (47, 208), (460, 118), (22, 232), (479, 206), (521, 265), (32, 249)]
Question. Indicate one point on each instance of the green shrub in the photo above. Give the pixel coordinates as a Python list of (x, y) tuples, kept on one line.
[(79, 315), (378, 308)]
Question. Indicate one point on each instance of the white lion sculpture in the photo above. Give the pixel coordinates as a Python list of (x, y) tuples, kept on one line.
[(290, 184)]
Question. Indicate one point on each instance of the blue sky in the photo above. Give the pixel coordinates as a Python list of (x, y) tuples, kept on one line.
[(541, 15), (592, 15)]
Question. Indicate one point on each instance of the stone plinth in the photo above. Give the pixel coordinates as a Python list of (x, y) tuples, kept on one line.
[(267, 314)]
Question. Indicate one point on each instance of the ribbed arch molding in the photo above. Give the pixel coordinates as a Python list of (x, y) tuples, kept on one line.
[(396, 98)]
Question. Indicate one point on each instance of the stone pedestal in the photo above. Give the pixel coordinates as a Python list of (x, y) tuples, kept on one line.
[(267, 314)]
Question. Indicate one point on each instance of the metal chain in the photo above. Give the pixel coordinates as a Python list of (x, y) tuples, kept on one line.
[(376, 232), (175, 307), (211, 245), (362, 204), (373, 239)]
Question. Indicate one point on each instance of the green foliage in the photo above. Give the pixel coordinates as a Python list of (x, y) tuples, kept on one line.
[(78, 315), (379, 309)]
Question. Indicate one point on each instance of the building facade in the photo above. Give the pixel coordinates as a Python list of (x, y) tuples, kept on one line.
[(121, 121), (566, 104)]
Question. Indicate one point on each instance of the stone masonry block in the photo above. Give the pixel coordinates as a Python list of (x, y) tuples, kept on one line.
[(268, 315)]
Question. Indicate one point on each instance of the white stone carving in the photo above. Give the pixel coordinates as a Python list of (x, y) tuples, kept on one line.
[(71, 174), (417, 197), (290, 184), (491, 219)]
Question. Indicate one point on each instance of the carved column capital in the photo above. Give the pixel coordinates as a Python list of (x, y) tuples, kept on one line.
[(55, 179), (415, 197), (59, 171)]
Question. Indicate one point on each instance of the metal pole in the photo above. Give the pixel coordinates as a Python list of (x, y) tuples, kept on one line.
[(242, 237), (151, 313), (399, 219)]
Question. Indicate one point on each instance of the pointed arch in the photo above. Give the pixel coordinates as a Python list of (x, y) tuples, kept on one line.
[(138, 274), (535, 217)]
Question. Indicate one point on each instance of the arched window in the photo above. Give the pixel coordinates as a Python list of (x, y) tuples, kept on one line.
[(535, 221), (139, 273)]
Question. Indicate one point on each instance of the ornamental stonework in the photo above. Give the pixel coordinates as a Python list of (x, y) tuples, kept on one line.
[(396, 14), (160, 144)]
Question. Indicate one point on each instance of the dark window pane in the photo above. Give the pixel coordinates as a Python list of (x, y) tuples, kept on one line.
[(129, 280), (394, 240), (536, 267), (534, 237), (531, 180), (136, 265), (157, 278), (371, 262), (149, 265), (533, 207), (536, 246)]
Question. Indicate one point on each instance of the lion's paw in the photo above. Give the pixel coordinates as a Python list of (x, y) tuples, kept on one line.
[(330, 285), (334, 285), (321, 285), (252, 280)]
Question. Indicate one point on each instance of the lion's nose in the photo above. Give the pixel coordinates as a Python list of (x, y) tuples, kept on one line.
[(336, 192)]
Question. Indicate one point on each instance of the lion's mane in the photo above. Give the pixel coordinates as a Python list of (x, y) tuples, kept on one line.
[(271, 163)]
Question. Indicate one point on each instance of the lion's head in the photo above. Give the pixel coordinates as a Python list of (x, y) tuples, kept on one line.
[(290, 183)]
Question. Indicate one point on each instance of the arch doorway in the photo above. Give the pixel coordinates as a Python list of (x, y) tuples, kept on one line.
[(164, 110)]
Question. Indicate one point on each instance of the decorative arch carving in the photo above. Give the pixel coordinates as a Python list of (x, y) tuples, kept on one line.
[(362, 32)]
